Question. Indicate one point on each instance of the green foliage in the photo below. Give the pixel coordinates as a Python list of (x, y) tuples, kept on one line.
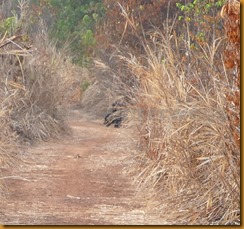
[(75, 20), (88, 39), (8, 25), (200, 7), (84, 85), (202, 18)]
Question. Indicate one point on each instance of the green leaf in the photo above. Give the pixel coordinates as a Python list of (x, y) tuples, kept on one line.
[(180, 18)]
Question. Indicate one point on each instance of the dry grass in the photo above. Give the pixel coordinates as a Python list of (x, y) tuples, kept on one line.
[(33, 82), (40, 82), (189, 161), (37, 83), (8, 146), (8, 138)]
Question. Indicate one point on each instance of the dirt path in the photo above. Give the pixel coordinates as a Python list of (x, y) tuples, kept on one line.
[(79, 180)]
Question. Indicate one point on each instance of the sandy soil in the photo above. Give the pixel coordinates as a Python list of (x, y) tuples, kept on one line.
[(78, 180)]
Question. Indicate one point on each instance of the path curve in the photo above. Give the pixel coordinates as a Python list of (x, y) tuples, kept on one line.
[(78, 180)]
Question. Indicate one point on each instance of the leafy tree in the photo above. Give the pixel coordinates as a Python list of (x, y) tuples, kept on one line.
[(146, 15), (74, 21), (202, 19)]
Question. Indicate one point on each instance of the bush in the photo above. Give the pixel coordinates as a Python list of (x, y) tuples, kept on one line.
[(34, 80), (191, 159), (73, 22)]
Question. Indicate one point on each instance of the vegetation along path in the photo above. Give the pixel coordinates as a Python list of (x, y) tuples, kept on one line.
[(78, 180)]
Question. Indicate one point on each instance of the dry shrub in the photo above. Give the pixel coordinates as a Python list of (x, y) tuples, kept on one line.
[(35, 83), (8, 146), (231, 14), (115, 31), (98, 105), (191, 159), (35, 80), (147, 14)]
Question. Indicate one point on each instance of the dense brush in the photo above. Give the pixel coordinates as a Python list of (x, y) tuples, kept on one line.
[(189, 160)]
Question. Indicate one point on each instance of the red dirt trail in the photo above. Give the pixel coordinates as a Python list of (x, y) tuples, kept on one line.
[(77, 180)]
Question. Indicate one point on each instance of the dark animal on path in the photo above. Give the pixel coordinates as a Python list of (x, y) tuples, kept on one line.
[(116, 115)]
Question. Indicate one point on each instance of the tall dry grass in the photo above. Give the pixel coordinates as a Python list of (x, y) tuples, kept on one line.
[(37, 83), (189, 160), (34, 83)]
